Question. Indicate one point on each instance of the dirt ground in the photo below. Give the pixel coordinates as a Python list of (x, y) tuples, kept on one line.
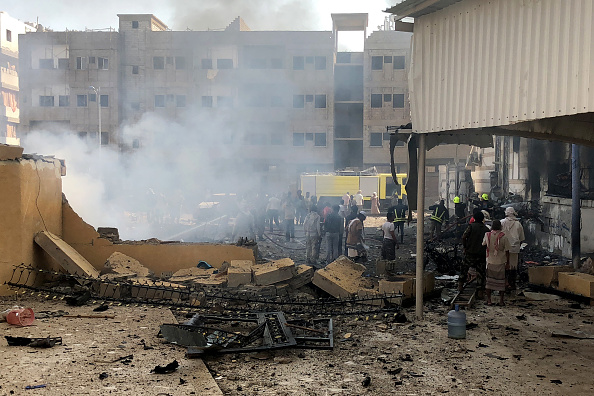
[(510, 351)]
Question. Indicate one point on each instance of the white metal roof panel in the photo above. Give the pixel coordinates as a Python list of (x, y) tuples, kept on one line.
[(487, 63)]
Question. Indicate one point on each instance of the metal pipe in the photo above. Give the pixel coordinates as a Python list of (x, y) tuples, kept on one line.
[(420, 227), (575, 205)]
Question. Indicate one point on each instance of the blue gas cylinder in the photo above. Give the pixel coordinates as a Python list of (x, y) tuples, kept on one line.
[(457, 323)]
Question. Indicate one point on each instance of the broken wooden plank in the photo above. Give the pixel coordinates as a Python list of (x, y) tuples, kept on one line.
[(71, 260)]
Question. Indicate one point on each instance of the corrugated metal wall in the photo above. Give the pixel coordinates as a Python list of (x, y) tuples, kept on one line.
[(485, 63)]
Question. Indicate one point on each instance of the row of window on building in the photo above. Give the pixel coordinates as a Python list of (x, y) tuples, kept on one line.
[(379, 100), (299, 101), (381, 62), (82, 63), (81, 100)]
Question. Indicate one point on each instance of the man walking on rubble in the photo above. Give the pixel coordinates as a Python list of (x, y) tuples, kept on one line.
[(359, 200), (399, 211), (313, 233), (332, 228), (272, 210), (289, 218), (346, 199), (515, 234), (439, 217), (389, 244), (355, 239), (475, 254)]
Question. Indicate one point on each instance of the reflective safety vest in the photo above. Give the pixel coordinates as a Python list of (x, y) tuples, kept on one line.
[(437, 218), (398, 218)]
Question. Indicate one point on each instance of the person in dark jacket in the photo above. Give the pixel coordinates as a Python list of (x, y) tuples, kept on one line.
[(332, 225), (439, 217), (475, 254), (460, 212), (399, 211)]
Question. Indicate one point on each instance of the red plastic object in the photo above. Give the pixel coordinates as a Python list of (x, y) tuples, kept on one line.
[(21, 317)]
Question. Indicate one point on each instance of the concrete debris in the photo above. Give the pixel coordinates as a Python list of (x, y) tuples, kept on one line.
[(72, 261), (546, 275), (123, 265), (238, 276), (577, 283), (274, 272), (341, 278)]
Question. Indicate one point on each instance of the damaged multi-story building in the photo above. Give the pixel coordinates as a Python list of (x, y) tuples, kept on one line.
[(290, 99), (10, 29)]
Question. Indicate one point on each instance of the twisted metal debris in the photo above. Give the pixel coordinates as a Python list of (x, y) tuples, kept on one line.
[(58, 285)]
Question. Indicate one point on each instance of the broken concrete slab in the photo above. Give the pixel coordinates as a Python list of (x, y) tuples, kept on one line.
[(406, 284), (577, 283), (237, 276), (242, 263), (213, 281), (341, 278), (119, 263), (546, 275), (274, 272), (190, 274), (72, 261)]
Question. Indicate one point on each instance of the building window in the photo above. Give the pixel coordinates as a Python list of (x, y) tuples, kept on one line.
[(92, 97), (377, 62), (276, 63), (180, 100), (159, 100), (134, 24), (46, 101), (207, 63), (180, 63), (298, 139), (375, 139), (309, 98), (224, 63), (91, 60), (104, 138), (387, 59), (158, 62), (81, 62), (81, 100), (224, 101), (102, 63), (320, 63), (134, 69), (343, 57), (386, 136), (276, 101), (398, 101), (63, 63), (64, 101), (376, 100), (298, 101), (104, 100), (207, 101), (46, 63), (320, 102), (8, 35), (298, 63), (309, 137), (320, 140), (399, 62), (82, 135)]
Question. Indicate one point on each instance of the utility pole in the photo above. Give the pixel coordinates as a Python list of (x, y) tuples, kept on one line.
[(420, 227), (575, 206)]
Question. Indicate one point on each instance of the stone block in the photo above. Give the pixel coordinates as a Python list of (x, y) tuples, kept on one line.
[(404, 285), (303, 276), (191, 274), (242, 263), (274, 272), (119, 263), (70, 259), (214, 281), (341, 278), (546, 275), (237, 276), (577, 283)]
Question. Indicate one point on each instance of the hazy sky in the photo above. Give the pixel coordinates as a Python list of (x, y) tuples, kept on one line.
[(196, 14)]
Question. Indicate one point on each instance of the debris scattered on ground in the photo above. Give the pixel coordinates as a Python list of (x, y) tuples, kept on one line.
[(168, 369), (47, 342)]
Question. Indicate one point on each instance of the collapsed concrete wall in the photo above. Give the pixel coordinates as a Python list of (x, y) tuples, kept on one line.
[(31, 201), (160, 257)]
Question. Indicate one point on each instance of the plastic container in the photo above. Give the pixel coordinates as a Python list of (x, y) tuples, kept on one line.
[(457, 323), (21, 317)]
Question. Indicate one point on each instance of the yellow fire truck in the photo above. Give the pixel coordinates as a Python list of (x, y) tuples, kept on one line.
[(332, 186)]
